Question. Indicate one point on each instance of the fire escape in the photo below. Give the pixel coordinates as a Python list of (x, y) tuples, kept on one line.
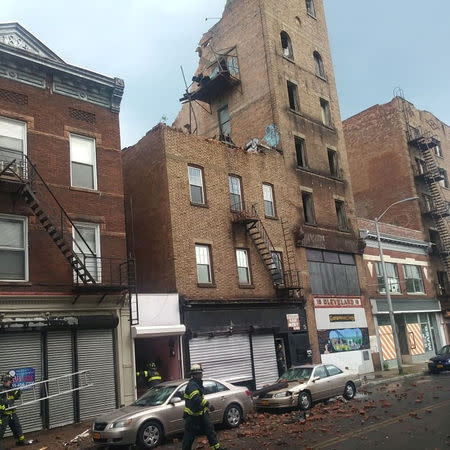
[(19, 176), (434, 204), (286, 282)]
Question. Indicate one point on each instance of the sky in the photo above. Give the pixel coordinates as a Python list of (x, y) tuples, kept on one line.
[(376, 46)]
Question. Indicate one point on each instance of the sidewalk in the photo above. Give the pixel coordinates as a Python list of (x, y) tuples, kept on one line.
[(382, 376)]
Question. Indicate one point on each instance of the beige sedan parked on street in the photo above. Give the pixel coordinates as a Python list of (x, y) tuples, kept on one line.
[(307, 384), (159, 413)]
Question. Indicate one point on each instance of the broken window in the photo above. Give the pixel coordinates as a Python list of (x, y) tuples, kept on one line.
[(310, 9), (286, 45), (333, 163), (444, 181), (300, 151), (224, 124), (293, 96), (308, 208), (320, 72), (341, 216), (325, 109), (438, 151)]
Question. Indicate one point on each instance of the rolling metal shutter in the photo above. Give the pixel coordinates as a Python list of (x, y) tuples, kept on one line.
[(60, 362), (95, 352), (224, 357), (264, 359), (19, 350)]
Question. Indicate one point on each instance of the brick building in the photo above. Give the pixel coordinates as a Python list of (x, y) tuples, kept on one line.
[(265, 83), (63, 269), (397, 151), (410, 276)]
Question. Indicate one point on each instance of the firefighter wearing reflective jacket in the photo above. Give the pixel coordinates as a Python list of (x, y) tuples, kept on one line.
[(9, 417), (149, 377), (196, 415)]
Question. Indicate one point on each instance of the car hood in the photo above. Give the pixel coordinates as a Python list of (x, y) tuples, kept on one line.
[(442, 357), (124, 413), (293, 386)]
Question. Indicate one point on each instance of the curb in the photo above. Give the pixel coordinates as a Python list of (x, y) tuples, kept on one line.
[(397, 378)]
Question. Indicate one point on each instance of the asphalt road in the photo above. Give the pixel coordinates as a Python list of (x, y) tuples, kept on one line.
[(409, 414)]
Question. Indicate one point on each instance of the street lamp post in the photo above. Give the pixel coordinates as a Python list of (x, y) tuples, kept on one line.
[(386, 285)]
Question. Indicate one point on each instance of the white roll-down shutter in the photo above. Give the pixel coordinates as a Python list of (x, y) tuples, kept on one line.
[(264, 359)]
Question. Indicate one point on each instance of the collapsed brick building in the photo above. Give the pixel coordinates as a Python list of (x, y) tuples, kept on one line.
[(256, 232), (397, 151), (63, 261)]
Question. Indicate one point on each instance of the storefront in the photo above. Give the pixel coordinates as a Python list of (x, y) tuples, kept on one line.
[(419, 325), (157, 335), (342, 332), (249, 344), (51, 346)]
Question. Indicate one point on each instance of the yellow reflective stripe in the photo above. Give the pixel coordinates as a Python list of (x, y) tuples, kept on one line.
[(192, 394), (203, 401), (192, 413), (22, 438), (154, 378), (215, 447)]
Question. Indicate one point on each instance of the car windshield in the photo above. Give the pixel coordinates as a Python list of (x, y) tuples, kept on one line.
[(155, 396), (444, 350), (296, 374)]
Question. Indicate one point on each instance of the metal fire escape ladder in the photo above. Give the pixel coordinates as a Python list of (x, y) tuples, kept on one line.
[(292, 273), (441, 211), (263, 244), (52, 216)]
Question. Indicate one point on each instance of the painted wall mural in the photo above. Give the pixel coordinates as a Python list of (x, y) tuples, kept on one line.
[(343, 340)]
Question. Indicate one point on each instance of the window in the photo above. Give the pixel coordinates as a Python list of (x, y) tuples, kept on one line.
[(196, 185), (12, 141), (320, 372), (320, 72), (333, 162), (86, 244), (438, 151), (242, 265), (421, 167), (83, 170), (392, 276), (202, 255), (277, 259), (224, 124), (308, 208), (341, 216), (444, 181), (325, 108), (300, 151), (13, 248), (427, 203), (442, 283), (333, 370), (293, 96), (269, 207), (235, 193), (310, 8), (286, 45), (413, 279)]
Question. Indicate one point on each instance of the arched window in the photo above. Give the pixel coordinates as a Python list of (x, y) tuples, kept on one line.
[(320, 72), (286, 45)]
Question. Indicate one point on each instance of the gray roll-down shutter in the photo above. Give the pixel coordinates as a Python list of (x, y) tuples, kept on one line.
[(224, 357), (264, 359), (60, 362), (95, 352), (20, 350)]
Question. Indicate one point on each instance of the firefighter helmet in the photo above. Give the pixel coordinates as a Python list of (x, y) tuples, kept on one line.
[(7, 377), (196, 368)]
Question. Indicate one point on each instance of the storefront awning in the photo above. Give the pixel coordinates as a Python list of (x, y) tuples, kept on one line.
[(405, 305), (140, 331)]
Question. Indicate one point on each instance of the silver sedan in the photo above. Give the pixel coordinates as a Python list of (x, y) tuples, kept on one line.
[(159, 413), (301, 386)]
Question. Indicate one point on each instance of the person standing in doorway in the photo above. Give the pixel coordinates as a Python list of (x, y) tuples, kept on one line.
[(196, 412), (149, 376)]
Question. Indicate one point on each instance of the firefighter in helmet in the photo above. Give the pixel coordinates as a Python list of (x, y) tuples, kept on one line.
[(196, 412), (9, 417), (149, 376)]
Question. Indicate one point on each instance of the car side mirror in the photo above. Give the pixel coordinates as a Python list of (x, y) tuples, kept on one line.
[(174, 400), (315, 379)]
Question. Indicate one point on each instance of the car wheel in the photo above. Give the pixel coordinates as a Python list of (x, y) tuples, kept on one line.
[(233, 416), (304, 400), (150, 435), (349, 391)]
